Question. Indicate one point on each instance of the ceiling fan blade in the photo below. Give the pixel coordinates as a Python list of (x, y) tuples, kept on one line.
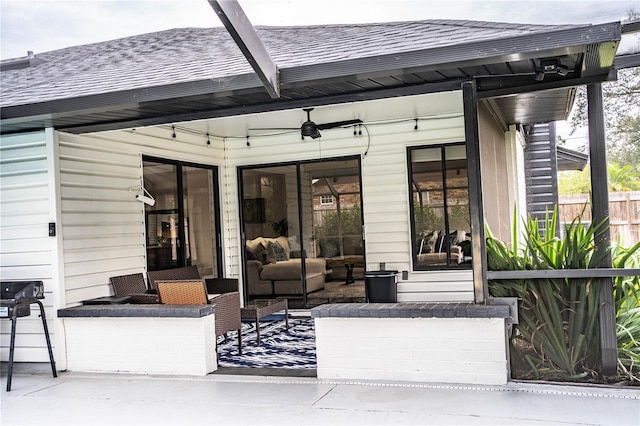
[(274, 128), (335, 124)]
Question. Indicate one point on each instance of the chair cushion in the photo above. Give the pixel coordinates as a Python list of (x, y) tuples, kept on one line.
[(182, 292)]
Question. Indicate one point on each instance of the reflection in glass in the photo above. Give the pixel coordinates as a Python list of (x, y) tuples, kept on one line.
[(440, 204), (181, 226), (293, 233)]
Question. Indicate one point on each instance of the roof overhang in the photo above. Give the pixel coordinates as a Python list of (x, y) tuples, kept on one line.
[(504, 69), (569, 159)]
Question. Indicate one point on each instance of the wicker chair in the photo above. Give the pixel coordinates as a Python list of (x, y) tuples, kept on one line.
[(133, 285), (221, 285), (182, 273), (194, 291)]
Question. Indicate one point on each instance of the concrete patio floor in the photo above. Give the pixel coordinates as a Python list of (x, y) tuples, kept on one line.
[(101, 399)]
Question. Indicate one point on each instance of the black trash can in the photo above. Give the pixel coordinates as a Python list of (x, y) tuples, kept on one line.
[(381, 286)]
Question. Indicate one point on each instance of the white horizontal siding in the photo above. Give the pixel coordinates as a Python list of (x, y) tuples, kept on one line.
[(26, 250), (451, 286), (383, 149), (387, 208), (102, 223)]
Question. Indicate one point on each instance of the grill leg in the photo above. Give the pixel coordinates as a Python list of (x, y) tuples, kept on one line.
[(14, 319), (46, 335)]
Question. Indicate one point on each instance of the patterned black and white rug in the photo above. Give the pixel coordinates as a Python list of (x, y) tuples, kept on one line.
[(295, 349)]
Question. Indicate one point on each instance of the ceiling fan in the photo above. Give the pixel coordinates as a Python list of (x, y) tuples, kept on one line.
[(311, 129)]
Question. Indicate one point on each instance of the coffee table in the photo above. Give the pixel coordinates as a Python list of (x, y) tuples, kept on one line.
[(257, 309), (349, 262)]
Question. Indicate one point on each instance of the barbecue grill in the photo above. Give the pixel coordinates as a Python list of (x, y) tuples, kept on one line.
[(16, 298)]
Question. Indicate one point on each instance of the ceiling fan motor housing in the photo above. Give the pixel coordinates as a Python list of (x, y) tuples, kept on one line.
[(309, 129)]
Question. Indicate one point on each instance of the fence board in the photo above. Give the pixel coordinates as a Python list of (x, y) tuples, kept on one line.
[(624, 214)]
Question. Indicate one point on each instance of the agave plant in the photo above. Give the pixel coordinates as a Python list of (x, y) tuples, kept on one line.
[(627, 302), (558, 332)]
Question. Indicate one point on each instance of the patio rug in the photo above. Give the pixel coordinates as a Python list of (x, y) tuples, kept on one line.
[(295, 349)]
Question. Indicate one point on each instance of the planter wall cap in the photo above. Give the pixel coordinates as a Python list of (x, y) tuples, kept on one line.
[(411, 310), (511, 302), (137, 311)]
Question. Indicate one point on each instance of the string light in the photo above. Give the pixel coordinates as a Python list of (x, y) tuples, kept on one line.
[(356, 132)]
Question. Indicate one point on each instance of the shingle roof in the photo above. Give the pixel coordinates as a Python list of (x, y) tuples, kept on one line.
[(197, 54)]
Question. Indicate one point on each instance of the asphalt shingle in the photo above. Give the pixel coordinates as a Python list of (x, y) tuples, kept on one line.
[(193, 54)]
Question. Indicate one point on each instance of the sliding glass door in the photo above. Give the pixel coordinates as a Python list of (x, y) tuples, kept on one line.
[(302, 228), (182, 227)]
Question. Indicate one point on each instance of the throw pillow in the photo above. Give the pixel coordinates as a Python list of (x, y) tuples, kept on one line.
[(279, 251), (294, 245), (329, 248), (271, 254), (250, 254), (453, 238), (466, 247), (440, 243), (297, 254), (261, 253)]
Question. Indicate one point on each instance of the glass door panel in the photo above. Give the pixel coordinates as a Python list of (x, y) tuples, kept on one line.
[(299, 220), (162, 219), (337, 225), (200, 235), (274, 241), (182, 226)]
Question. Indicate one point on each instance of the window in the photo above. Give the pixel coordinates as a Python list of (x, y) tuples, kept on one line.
[(326, 200), (439, 193)]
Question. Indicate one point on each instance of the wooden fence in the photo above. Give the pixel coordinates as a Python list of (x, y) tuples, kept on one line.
[(624, 214)]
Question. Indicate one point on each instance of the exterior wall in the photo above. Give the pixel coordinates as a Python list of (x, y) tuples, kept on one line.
[(142, 345), (102, 223), (446, 350), (382, 148), (518, 188), (541, 170), (28, 203), (496, 188)]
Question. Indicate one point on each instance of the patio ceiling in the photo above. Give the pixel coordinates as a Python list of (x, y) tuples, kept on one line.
[(503, 67)]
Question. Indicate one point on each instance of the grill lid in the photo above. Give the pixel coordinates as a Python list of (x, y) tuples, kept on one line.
[(21, 290)]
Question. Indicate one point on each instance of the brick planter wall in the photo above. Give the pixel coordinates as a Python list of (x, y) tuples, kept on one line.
[(419, 342)]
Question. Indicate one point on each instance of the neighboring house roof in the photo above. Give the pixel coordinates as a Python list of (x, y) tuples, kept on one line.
[(569, 159), (192, 73)]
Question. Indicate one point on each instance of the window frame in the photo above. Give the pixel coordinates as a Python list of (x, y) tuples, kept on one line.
[(323, 203), (180, 210), (414, 242)]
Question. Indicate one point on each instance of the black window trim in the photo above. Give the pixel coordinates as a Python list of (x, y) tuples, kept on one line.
[(414, 254)]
